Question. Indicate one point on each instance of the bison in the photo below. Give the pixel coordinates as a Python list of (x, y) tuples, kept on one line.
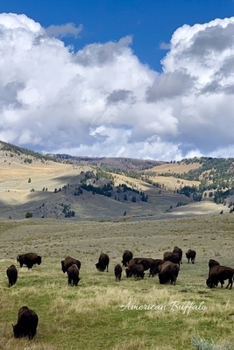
[(103, 262), (12, 274), (69, 262), (146, 262), (212, 263), (218, 274), (127, 256), (191, 255), (29, 259), (118, 272), (73, 275), (154, 267), (26, 324), (173, 257), (168, 272), (137, 270), (178, 251)]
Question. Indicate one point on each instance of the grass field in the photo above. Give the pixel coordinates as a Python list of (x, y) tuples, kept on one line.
[(101, 313)]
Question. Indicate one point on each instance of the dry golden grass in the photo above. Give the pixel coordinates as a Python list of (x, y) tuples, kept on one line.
[(171, 182), (15, 173), (178, 168), (137, 184)]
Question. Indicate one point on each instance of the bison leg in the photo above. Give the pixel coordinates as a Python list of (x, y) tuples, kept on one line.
[(230, 282)]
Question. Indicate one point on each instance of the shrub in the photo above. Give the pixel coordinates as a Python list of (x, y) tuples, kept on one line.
[(201, 344)]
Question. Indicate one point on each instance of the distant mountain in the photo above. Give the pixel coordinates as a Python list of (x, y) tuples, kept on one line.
[(117, 164)]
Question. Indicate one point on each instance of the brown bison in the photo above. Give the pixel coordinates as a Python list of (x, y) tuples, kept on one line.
[(136, 270), (154, 267), (12, 274), (168, 272), (73, 275), (127, 256), (218, 274), (69, 262), (178, 251), (26, 324), (173, 257), (146, 262), (103, 262), (118, 272), (191, 255), (29, 260), (212, 263)]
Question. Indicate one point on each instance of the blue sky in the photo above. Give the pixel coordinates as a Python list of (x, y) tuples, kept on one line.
[(140, 79)]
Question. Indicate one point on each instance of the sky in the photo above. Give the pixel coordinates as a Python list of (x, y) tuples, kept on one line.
[(104, 78)]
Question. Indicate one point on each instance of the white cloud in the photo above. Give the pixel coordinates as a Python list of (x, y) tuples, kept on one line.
[(102, 101), (165, 46)]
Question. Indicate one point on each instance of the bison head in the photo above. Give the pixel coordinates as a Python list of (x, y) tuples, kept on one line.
[(63, 267), (16, 331), (123, 263), (154, 269), (210, 283)]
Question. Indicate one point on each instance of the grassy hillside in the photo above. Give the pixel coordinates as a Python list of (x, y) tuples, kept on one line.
[(30, 186), (101, 313), (24, 153), (34, 184)]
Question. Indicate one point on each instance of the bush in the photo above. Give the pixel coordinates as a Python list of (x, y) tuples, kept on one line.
[(28, 160), (201, 344), (28, 215)]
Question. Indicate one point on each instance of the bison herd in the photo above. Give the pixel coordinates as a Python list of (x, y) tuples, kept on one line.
[(166, 268)]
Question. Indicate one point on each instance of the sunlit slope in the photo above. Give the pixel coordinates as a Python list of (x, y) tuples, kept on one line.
[(156, 174)]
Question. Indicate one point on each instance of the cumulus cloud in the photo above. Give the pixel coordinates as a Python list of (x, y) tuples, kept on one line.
[(165, 46), (170, 85), (68, 29), (102, 101)]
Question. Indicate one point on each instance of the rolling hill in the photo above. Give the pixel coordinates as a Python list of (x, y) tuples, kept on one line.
[(83, 188)]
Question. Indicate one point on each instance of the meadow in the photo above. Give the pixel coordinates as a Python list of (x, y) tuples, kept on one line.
[(104, 314)]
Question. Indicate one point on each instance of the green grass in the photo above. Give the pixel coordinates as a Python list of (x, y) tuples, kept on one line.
[(89, 316)]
